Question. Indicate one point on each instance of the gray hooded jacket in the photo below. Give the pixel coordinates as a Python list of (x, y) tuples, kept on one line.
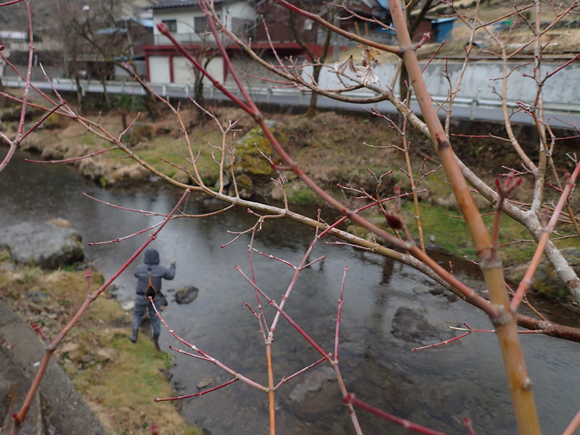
[(151, 268)]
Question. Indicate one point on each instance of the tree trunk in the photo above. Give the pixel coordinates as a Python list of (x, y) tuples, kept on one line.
[(198, 95), (314, 96), (103, 81), (79, 94)]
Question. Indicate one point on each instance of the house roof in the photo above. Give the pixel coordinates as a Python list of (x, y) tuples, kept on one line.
[(167, 4), (443, 20), (384, 4)]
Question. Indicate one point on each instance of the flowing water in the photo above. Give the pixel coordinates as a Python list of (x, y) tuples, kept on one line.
[(436, 387)]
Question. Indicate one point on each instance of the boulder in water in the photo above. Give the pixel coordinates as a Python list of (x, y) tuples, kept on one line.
[(186, 295), (42, 244), (410, 326)]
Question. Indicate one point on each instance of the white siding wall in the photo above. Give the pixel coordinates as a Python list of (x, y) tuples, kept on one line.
[(216, 69), (241, 10), (185, 20), (159, 69), (183, 71)]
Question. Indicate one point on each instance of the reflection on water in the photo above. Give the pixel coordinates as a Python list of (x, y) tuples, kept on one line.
[(437, 387)]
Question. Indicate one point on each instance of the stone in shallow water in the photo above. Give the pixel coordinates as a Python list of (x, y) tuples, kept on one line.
[(408, 325), (315, 395), (42, 244), (186, 295), (206, 382), (128, 305)]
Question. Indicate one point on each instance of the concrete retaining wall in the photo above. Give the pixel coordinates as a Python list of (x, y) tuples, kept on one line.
[(59, 409), (479, 77)]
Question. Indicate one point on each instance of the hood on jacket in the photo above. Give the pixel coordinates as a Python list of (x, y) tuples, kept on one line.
[(151, 257)]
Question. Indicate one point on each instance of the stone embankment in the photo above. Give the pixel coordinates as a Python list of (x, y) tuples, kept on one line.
[(57, 407)]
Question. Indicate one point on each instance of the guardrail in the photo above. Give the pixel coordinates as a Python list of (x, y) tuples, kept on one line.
[(267, 93)]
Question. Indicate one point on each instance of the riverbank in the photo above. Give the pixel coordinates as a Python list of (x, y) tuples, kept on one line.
[(372, 356), (333, 148), (96, 354)]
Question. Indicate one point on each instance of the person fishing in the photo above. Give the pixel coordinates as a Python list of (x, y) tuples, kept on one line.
[(149, 275)]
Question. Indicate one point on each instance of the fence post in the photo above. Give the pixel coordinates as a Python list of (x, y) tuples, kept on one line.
[(474, 103)]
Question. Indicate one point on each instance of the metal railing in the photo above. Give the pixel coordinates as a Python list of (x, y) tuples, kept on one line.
[(184, 38), (264, 94)]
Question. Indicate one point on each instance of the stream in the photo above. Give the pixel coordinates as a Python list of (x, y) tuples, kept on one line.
[(436, 387)]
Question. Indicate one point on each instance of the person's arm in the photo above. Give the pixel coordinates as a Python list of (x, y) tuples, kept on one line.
[(137, 271), (169, 274)]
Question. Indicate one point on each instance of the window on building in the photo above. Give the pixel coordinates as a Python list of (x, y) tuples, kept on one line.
[(200, 24), (171, 25), (243, 27)]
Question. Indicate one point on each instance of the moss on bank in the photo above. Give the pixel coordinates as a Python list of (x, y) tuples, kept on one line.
[(118, 379), (333, 148)]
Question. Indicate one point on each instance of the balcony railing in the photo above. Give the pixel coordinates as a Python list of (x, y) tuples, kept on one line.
[(184, 38)]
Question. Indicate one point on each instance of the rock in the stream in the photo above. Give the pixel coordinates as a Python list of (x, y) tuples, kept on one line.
[(315, 395), (42, 244), (206, 382), (128, 305), (408, 325), (186, 295)]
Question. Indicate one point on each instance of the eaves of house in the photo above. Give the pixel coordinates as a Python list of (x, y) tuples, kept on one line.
[(182, 4)]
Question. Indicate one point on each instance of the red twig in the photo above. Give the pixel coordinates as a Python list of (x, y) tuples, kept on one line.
[(197, 394), (433, 57), (469, 331), (273, 303), (351, 400), (574, 424), (284, 379), (145, 212), (120, 239), (469, 426), (165, 32), (204, 356), (527, 279), (39, 122), (340, 302), (73, 159), (28, 71), (11, 3)]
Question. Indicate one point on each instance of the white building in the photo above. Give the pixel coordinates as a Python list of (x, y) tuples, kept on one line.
[(188, 25)]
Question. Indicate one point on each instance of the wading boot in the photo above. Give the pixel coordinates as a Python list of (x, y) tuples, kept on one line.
[(156, 342), (133, 336)]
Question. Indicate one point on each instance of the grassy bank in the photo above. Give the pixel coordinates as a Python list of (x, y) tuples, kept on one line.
[(334, 149), (118, 379)]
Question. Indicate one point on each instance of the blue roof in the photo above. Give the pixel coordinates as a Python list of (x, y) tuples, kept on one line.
[(443, 20), (111, 30), (384, 4), (146, 23)]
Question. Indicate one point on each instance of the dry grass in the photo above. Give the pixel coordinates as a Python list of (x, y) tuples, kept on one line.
[(120, 390)]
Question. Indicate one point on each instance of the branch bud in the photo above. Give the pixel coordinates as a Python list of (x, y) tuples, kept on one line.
[(394, 219), (510, 184), (162, 27)]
